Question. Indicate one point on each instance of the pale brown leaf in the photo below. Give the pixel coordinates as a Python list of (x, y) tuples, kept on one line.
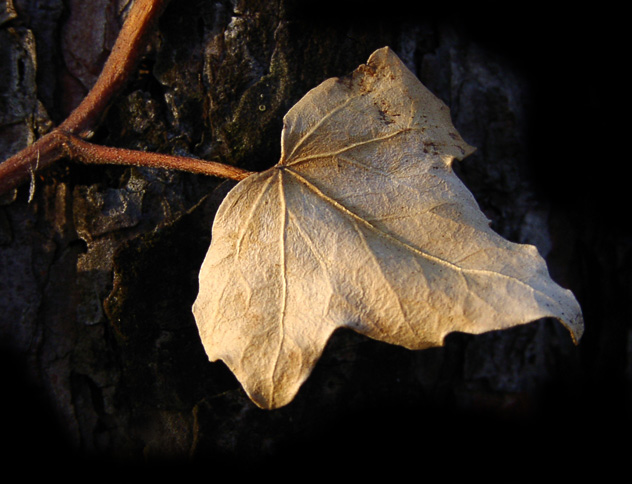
[(362, 224)]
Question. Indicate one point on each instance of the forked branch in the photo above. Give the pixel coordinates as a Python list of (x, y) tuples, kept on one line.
[(66, 139)]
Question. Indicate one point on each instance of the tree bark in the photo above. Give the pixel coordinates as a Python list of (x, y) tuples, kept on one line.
[(98, 264)]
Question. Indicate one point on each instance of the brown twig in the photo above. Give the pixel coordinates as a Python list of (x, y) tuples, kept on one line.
[(127, 50), (63, 140), (86, 152)]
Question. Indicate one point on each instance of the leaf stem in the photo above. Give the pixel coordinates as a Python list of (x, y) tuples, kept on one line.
[(85, 152)]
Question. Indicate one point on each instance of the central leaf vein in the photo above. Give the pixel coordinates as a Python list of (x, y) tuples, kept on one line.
[(283, 271)]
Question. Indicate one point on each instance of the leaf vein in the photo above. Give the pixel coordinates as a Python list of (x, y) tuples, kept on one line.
[(283, 268), (349, 147), (322, 120), (251, 213), (384, 278), (407, 246)]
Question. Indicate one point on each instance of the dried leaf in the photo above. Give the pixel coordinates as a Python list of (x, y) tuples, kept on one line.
[(362, 224)]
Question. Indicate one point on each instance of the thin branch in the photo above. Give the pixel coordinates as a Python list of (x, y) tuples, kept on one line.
[(64, 140), (128, 48), (21, 166), (125, 54)]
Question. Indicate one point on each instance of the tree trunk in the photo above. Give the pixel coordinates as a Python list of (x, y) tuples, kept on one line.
[(98, 264)]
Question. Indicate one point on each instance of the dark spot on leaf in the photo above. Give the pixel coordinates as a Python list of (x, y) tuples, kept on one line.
[(385, 118), (346, 81)]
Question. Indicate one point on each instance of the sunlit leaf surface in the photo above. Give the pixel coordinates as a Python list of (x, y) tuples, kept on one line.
[(362, 224)]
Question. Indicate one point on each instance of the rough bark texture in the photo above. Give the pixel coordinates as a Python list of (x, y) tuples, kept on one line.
[(98, 265)]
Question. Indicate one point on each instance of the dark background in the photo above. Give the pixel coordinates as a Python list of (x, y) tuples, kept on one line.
[(101, 361)]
